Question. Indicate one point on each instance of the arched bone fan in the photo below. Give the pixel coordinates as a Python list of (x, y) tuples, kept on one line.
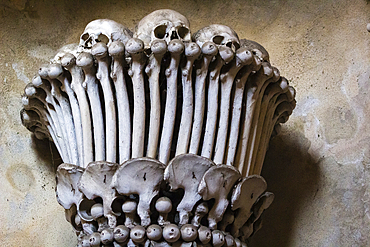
[(162, 134)]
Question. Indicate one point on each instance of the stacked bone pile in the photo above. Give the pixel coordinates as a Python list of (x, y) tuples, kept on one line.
[(159, 93)]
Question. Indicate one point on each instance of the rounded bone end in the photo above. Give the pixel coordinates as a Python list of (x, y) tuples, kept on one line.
[(154, 232), (176, 46), (95, 239), (158, 47), (43, 71), (55, 70), (106, 236), (99, 50), (134, 46), (218, 238), (121, 233), (226, 53), (137, 234), (116, 48), (192, 49), (189, 232), (97, 210), (245, 56), (204, 234), (85, 60), (129, 207), (163, 205), (37, 81), (171, 233), (68, 60), (209, 49)]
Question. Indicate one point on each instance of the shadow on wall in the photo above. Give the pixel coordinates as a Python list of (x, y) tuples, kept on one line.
[(47, 153), (293, 176)]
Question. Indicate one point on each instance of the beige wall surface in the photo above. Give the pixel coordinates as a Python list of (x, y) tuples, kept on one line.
[(318, 167)]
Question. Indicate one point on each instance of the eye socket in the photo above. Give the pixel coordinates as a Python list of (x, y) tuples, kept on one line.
[(182, 32), (85, 36), (160, 31), (103, 38), (233, 45), (218, 39)]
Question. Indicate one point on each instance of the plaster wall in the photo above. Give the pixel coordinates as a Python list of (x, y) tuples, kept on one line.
[(319, 166)]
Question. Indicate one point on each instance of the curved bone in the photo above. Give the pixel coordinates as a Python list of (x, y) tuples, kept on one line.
[(243, 57), (263, 202), (256, 48), (142, 176), (227, 219), (56, 72), (237, 107), (200, 211), (86, 62), (225, 55), (96, 182), (163, 206), (192, 52), (243, 197), (100, 52), (69, 62), (135, 48), (175, 47), (209, 50), (217, 183), (117, 51), (177, 175), (31, 120), (153, 69)]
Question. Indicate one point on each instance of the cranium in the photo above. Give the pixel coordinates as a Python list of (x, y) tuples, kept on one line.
[(219, 34), (164, 24), (103, 30)]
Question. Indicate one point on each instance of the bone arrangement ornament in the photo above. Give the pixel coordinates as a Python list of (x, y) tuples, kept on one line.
[(188, 118)]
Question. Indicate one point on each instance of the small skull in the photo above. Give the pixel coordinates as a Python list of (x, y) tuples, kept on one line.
[(164, 24), (103, 30), (218, 34)]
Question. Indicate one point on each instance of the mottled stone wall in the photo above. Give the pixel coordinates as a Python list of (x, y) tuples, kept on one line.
[(318, 167)]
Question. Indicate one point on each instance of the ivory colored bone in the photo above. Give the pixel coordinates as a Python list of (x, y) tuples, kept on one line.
[(200, 211), (135, 47), (69, 62), (253, 89), (243, 197), (185, 172), (217, 183), (100, 52), (175, 47), (243, 57), (218, 238), (31, 120), (225, 55), (226, 220), (129, 207), (142, 176), (96, 182), (117, 50), (56, 72), (204, 234), (209, 50), (86, 62), (192, 52), (237, 107), (163, 206), (153, 69), (263, 202)]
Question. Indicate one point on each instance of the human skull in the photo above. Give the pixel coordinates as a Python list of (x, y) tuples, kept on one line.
[(164, 24), (218, 34), (103, 30)]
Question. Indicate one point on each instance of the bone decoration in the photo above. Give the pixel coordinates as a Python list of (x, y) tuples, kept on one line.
[(162, 133)]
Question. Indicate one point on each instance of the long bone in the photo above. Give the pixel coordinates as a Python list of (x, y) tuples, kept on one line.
[(255, 84), (175, 47), (217, 183), (237, 107), (100, 52), (44, 109), (225, 55), (153, 69), (243, 57), (56, 72), (281, 93), (117, 50), (45, 73), (209, 50), (31, 120), (141, 176), (53, 107), (258, 118), (69, 62), (243, 197), (272, 91), (177, 174), (86, 62), (192, 52), (135, 47), (32, 104)]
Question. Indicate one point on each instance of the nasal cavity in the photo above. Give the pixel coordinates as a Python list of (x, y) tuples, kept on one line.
[(174, 35)]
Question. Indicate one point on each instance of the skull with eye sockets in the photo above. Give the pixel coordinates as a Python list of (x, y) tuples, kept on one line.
[(164, 24)]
